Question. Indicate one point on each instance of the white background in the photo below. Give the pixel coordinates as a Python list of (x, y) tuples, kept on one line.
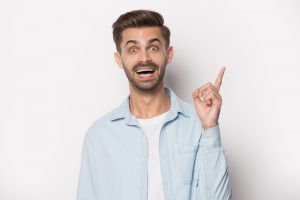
[(57, 75)]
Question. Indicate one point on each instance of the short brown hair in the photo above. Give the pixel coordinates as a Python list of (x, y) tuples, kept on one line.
[(136, 19)]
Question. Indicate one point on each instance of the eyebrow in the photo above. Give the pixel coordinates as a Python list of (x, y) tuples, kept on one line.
[(149, 41), (153, 40)]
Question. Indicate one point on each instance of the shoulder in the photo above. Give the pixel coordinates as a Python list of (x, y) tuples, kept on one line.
[(186, 108), (189, 107), (104, 125), (188, 113), (98, 125)]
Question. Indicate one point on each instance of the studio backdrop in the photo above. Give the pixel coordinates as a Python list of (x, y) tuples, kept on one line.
[(58, 75)]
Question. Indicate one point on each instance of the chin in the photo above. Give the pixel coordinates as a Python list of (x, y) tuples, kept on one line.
[(147, 88)]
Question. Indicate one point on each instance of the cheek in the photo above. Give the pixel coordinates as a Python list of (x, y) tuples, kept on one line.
[(163, 60), (158, 58), (129, 60)]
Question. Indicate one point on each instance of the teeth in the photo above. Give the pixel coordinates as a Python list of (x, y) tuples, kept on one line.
[(145, 70)]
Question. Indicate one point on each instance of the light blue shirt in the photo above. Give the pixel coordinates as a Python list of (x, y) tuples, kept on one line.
[(114, 157)]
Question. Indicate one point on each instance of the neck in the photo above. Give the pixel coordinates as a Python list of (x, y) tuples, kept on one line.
[(150, 103)]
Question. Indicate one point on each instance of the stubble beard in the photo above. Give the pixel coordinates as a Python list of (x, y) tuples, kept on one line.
[(145, 87)]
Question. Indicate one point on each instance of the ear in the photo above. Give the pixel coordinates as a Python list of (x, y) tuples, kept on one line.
[(170, 54), (118, 60)]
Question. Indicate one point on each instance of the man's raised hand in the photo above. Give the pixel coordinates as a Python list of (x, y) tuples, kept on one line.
[(208, 102)]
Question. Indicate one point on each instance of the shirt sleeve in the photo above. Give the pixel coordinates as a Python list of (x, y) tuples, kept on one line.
[(213, 180), (86, 184)]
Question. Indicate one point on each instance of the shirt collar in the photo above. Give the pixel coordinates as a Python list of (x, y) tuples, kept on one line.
[(123, 111)]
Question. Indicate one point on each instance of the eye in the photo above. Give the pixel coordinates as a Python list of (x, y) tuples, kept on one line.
[(153, 48), (133, 50)]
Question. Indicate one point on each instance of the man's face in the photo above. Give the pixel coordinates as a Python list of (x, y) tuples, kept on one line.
[(144, 57)]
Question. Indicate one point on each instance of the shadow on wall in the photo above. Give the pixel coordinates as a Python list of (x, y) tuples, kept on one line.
[(181, 78)]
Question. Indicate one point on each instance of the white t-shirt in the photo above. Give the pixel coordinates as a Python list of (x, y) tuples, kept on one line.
[(151, 127)]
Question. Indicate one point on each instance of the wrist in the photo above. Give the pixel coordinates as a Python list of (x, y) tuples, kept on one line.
[(211, 125)]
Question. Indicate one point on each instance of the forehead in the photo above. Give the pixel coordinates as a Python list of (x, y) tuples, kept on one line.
[(142, 35)]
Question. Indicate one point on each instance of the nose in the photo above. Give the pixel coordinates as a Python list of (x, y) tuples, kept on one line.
[(144, 56)]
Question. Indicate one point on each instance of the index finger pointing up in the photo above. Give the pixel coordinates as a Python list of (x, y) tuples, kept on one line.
[(218, 81)]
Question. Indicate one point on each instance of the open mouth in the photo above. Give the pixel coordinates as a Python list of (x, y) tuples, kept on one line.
[(145, 71)]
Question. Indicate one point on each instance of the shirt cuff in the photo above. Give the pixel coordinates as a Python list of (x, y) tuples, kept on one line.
[(211, 138)]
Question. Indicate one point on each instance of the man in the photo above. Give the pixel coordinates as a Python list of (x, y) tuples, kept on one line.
[(154, 145)]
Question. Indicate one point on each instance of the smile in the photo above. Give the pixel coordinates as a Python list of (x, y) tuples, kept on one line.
[(145, 71)]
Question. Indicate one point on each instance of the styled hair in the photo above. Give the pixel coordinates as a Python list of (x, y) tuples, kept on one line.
[(136, 19)]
